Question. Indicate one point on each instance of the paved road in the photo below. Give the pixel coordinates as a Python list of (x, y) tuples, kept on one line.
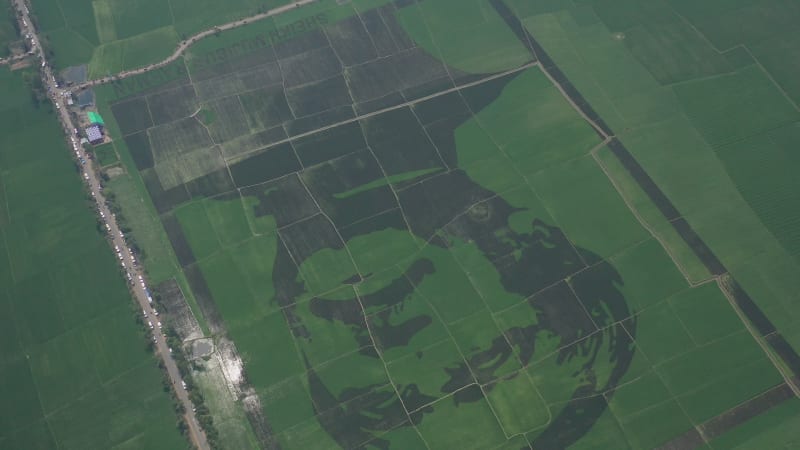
[(188, 42), (126, 258)]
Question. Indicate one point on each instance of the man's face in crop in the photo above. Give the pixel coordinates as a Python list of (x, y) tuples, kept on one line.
[(444, 301)]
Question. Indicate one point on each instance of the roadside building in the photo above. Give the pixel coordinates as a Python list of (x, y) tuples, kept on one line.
[(95, 119), (85, 98), (94, 133)]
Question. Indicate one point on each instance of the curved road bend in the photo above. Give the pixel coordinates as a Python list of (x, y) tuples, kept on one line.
[(191, 40), (196, 433)]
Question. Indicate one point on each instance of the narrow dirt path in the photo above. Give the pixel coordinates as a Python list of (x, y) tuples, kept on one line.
[(190, 41)]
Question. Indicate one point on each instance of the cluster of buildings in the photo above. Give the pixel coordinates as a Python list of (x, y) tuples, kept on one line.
[(92, 123)]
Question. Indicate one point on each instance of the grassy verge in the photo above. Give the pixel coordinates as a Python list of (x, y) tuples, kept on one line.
[(641, 205), (131, 196)]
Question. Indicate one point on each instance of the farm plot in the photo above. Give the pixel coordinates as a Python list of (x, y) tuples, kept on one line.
[(106, 154), (75, 370), (409, 261), (8, 31), (765, 27)]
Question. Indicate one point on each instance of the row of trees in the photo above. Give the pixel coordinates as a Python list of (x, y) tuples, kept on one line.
[(186, 368), (173, 341)]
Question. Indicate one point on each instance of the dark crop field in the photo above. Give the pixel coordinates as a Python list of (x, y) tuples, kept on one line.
[(484, 224)]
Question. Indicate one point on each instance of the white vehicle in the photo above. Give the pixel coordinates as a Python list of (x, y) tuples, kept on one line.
[(170, 349), (123, 264), (155, 312), (150, 299), (116, 247), (159, 325), (150, 324), (108, 228), (183, 383)]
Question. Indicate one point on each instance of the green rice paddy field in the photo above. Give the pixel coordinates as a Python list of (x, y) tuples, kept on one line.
[(403, 220), (8, 33), (74, 370)]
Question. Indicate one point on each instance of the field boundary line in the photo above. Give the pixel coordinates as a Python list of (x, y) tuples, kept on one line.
[(385, 365), (723, 286), (24, 350), (769, 75), (666, 385), (776, 395), (645, 224), (357, 118), (742, 46), (7, 255)]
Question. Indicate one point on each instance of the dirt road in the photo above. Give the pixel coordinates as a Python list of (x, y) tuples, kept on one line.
[(126, 258), (12, 59), (188, 42)]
